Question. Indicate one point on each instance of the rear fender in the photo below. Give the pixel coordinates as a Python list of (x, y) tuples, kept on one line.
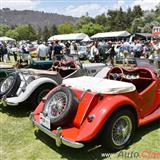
[(31, 87), (102, 111)]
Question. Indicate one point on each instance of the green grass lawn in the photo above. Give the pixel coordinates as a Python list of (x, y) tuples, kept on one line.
[(19, 141), (9, 63)]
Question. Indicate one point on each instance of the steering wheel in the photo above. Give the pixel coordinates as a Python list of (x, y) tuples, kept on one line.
[(115, 73), (56, 66)]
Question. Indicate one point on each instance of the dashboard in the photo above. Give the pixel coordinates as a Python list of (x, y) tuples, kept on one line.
[(118, 73), (136, 74)]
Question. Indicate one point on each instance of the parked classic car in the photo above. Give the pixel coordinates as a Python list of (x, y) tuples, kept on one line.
[(31, 85), (111, 107), (27, 63)]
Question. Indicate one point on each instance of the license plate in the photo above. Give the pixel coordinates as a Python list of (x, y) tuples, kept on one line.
[(45, 121)]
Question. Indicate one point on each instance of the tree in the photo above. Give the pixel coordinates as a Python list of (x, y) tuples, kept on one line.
[(158, 19), (65, 28), (137, 11), (101, 19), (147, 28), (39, 34), (53, 30), (157, 11), (148, 16), (111, 23), (3, 29), (23, 32), (82, 21), (45, 34), (129, 19), (137, 25), (32, 33), (92, 28), (12, 33), (120, 20)]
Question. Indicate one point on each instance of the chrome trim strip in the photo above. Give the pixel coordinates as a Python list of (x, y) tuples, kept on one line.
[(58, 138)]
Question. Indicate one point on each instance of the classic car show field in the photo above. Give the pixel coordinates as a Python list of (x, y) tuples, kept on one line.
[(79, 80), (19, 141)]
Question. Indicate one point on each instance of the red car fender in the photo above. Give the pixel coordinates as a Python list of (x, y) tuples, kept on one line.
[(101, 113)]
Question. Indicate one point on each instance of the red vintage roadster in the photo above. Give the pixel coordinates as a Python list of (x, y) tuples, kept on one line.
[(112, 107)]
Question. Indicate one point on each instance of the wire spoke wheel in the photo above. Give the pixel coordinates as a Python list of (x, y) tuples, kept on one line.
[(10, 85), (61, 106), (121, 130), (6, 84), (57, 104)]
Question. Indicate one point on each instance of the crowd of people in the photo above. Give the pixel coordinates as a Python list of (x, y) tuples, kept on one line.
[(97, 51)]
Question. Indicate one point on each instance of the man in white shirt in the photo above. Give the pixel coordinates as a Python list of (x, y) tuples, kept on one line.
[(42, 51)]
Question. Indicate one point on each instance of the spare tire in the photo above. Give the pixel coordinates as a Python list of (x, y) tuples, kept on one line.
[(61, 106), (10, 85)]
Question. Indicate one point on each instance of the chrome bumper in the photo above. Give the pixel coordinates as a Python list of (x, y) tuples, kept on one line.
[(58, 137), (5, 102)]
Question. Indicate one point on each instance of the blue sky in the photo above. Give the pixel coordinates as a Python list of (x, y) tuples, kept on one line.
[(76, 8)]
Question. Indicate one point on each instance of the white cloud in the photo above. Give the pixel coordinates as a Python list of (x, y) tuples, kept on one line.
[(146, 4), (19, 4), (120, 3), (77, 11)]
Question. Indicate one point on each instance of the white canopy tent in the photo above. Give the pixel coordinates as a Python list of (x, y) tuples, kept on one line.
[(66, 37), (4, 38), (111, 35), (86, 39)]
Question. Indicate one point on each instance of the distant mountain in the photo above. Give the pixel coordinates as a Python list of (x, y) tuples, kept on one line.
[(35, 18)]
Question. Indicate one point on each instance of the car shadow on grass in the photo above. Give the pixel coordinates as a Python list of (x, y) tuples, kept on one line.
[(143, 130), (92, 150), (16, 111)]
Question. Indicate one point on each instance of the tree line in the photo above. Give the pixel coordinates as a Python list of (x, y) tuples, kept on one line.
[(132, 20)]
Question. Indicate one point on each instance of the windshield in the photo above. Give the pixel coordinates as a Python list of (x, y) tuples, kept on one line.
[(153, 65)]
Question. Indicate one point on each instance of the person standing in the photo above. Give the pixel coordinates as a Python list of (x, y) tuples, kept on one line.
[(5, 53), (138, 49), (14, 51), (56, 52), (111, 52), (73, 48), (126, 51), (1, 53), (42, 51), (94, 52), (50, 45)]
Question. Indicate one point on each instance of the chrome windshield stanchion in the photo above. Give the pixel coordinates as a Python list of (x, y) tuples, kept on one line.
[(22, 76), (59, 137)]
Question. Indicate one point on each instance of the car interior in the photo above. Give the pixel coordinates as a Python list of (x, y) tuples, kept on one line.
[(64, 68), (140, 77)]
